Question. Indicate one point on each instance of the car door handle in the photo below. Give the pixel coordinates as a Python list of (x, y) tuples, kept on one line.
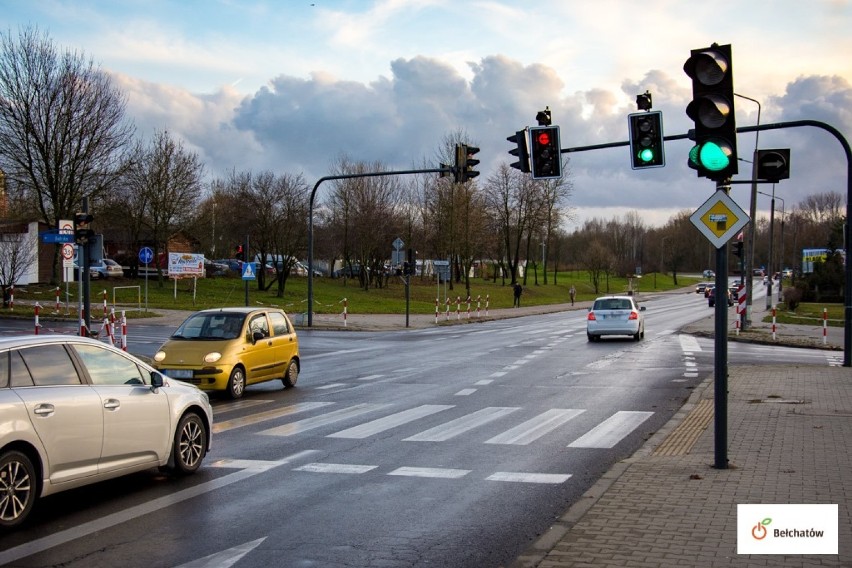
[(111, 404), (44, 409)]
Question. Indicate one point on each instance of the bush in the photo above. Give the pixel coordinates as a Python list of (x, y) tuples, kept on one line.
[(792, 297)]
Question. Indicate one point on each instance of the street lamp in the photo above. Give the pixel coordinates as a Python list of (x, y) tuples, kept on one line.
[(771, 244), (745, 317)]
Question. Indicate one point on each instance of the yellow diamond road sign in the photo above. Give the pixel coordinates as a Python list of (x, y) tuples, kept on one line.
[(719, 219)]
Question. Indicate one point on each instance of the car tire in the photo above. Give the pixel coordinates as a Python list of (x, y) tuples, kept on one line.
[(637, 336), (18, 485), (236, 383), (190, 444), (592, 338), (291, 376)]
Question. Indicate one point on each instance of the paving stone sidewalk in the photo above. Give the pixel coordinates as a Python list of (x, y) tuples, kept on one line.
[(789, 432)]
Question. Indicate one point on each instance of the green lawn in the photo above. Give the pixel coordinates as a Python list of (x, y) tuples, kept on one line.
[(809, 314), (329, 294)]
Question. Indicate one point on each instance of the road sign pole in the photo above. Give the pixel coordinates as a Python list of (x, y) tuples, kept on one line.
[(720, 413)]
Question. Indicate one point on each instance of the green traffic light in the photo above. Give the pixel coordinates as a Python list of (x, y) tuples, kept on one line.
[(646, 155), (712, 157)]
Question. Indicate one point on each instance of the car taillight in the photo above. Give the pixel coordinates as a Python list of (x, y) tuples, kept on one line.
[(634, 315), (591, 316)]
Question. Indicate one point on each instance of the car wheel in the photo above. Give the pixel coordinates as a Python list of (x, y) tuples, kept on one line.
[(237, 383), (17, 488), (190, 444), (637, 336), (291, 376)]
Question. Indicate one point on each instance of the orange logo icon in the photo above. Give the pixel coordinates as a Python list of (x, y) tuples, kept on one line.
[(759, 531)]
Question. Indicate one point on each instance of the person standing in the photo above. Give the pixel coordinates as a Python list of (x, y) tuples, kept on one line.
[(572, 292), (517, 291)]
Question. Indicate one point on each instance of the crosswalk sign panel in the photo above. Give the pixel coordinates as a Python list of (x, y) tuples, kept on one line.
[(249, 271)]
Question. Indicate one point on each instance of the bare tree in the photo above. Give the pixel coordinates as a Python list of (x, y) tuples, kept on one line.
[(17, 253), (62, 127), (170, 179)]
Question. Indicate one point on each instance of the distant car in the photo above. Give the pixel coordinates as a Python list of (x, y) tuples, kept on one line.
[(102, 269), (709, 274), (74, 411), (227, 349), (708, 289), (701, 287), (213, 268), (615, 315), (711, 298)]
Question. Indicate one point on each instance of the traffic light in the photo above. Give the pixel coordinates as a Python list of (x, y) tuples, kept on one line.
[(712, 109), (546, 163), (82, 232), (465, 162), (522, 151), (239, 254), (646, 140), (737, 248)]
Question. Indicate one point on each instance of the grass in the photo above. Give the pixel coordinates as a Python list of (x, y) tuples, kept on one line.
[(330, 294), (809, 314)]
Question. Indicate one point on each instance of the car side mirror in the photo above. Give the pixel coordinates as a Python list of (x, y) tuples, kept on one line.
[(257, 336), (156, 380)]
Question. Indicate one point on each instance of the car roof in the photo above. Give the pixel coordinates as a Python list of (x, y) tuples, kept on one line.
[(238, 310), (614, 297), (29, 340)]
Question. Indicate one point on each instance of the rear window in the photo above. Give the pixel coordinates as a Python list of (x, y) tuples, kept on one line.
[(613, 304)]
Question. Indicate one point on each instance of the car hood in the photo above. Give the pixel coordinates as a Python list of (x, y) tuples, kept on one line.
[(192, 352)]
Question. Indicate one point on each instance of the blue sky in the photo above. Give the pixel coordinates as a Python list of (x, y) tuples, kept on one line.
[(290, 86)]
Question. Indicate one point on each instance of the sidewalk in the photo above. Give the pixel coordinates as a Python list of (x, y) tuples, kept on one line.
[(789, 432)]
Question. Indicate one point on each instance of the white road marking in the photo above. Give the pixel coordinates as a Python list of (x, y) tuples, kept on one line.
[(552, 478), (335, 468), (611, 431), (442, 473), (458, 426), (465, 392), (484, 382), (225, 558), (226, 425), (322, 420), (370, 377), (388, 422), (331, 386), (535, 428)]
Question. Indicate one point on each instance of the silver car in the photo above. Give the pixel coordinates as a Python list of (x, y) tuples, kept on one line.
[(615, 315), (74, 411)]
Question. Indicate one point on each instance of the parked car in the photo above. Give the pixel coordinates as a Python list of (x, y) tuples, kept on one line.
[(227, 349), (213, 268), (709, 274), (615, 315), (74, 411), (105, 268), (711, 298)]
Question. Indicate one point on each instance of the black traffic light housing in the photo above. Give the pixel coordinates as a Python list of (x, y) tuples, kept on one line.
[(465, 163), (82, 231), (545, 159), (712, 109), (646, 140), (737, 248), (522, 151)]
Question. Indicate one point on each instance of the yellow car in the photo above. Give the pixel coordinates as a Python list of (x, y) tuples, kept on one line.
[(226, 349)]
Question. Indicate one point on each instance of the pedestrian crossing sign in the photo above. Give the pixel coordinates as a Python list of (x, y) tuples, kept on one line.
[(249, 272)]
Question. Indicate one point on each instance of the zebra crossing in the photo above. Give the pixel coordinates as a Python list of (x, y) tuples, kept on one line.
[(604, 435), (381, 419)]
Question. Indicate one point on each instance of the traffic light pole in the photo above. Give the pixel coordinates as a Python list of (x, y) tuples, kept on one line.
[(442, 170), (847, 237)]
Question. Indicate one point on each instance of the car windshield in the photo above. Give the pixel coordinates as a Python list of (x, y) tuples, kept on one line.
[(613, 304), (213, 326)]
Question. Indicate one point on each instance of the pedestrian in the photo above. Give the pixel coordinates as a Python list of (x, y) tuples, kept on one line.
[(517, 291), (572, 292)]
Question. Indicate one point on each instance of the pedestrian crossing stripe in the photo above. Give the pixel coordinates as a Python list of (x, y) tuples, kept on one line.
[(605, 435)]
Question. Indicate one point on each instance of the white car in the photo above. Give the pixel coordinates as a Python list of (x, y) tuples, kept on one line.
[(75, 411), (615, 315)]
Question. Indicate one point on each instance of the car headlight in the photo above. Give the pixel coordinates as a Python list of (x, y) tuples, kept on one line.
[(159, 356), (212, 357)]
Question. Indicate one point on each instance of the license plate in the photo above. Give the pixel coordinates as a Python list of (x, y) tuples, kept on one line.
[(179, 373)]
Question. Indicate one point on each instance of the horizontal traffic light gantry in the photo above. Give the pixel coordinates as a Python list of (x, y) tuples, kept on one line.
[(646, 140), (465, 163), (714, 155), (545, 158)]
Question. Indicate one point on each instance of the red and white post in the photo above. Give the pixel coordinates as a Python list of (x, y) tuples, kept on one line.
[(773, 324), (123, 331), (57, 300), (436, 310), (37, 325), (824, 325), (345, 310)]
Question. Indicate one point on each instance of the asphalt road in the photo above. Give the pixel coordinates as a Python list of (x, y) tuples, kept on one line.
[(450, 446)]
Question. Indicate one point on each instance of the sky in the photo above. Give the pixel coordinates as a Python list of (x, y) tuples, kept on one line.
[(291, 86)]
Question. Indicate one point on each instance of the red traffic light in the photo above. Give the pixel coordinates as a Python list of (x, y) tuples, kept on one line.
[(543, 138)]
